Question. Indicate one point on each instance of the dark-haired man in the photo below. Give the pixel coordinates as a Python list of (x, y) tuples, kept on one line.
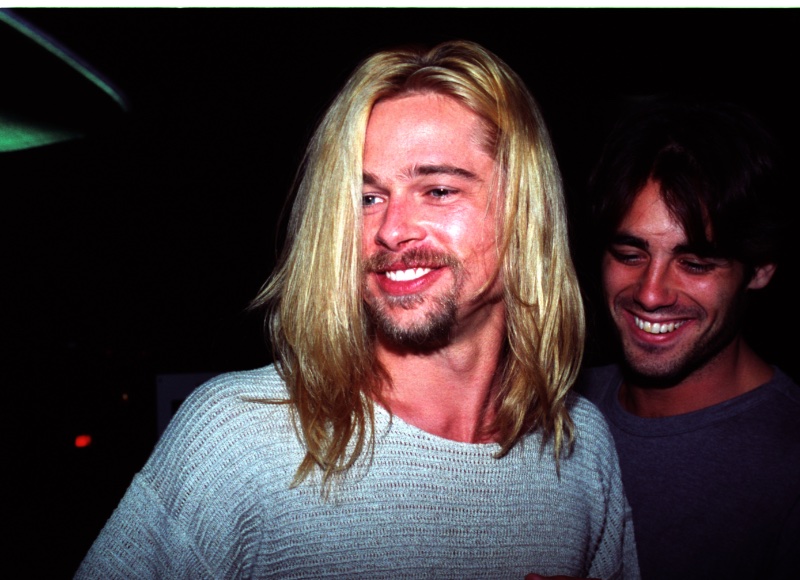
[(707, 431)]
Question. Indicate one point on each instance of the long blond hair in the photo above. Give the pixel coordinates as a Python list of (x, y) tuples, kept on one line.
[(317, 322)]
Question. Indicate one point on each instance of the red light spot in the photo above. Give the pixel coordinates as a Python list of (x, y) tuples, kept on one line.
[(83, 440)]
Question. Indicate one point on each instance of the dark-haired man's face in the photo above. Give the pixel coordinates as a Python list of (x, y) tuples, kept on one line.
[(675, 311)]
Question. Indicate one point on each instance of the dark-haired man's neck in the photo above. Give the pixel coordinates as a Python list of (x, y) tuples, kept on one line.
[(735, 370)]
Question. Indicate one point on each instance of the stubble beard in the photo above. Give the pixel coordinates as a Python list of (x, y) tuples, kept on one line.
[(656, 367), (435, 327)]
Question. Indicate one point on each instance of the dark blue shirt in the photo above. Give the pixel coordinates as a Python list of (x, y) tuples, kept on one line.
[(715, 493)]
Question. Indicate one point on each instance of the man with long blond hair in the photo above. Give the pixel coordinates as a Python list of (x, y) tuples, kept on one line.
[(427, 327)]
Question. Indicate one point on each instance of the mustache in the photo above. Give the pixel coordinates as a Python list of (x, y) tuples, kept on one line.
[(414, 258), (629, 304)]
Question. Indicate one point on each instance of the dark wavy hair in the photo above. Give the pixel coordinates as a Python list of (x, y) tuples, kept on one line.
[(716, 166)]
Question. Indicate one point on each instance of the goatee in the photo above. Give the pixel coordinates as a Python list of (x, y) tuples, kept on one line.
[(434, 328)]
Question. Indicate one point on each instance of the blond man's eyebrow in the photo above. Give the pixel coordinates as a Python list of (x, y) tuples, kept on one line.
[(423, 170)]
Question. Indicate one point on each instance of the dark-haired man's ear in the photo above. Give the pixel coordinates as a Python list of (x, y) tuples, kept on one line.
[(761, 276)]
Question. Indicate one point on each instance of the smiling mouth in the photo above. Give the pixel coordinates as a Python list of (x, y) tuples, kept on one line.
[(657, 327), (406, 275)]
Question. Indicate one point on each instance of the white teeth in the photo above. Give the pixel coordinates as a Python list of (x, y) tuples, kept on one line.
[(655, 327), (406, 275)]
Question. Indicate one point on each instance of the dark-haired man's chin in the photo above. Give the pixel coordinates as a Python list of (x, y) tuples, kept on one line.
[(651, 380)]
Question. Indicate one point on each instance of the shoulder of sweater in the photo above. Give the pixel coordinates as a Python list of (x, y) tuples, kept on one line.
[(584, 412), (230, 445), (225, 419), (260, 384), (592, 434), (229, 397)]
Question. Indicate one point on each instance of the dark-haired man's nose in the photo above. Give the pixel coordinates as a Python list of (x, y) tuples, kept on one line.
[(655, 288)]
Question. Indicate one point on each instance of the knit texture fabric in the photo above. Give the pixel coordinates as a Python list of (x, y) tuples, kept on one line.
[(214, 501)]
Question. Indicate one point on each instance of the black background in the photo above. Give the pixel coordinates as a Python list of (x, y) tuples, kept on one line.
[(134, 252)]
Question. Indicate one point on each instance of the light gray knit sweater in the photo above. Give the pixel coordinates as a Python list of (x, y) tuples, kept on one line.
[(213, 501)]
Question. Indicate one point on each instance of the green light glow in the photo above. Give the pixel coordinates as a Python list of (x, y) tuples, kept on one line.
[(23, 131)]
